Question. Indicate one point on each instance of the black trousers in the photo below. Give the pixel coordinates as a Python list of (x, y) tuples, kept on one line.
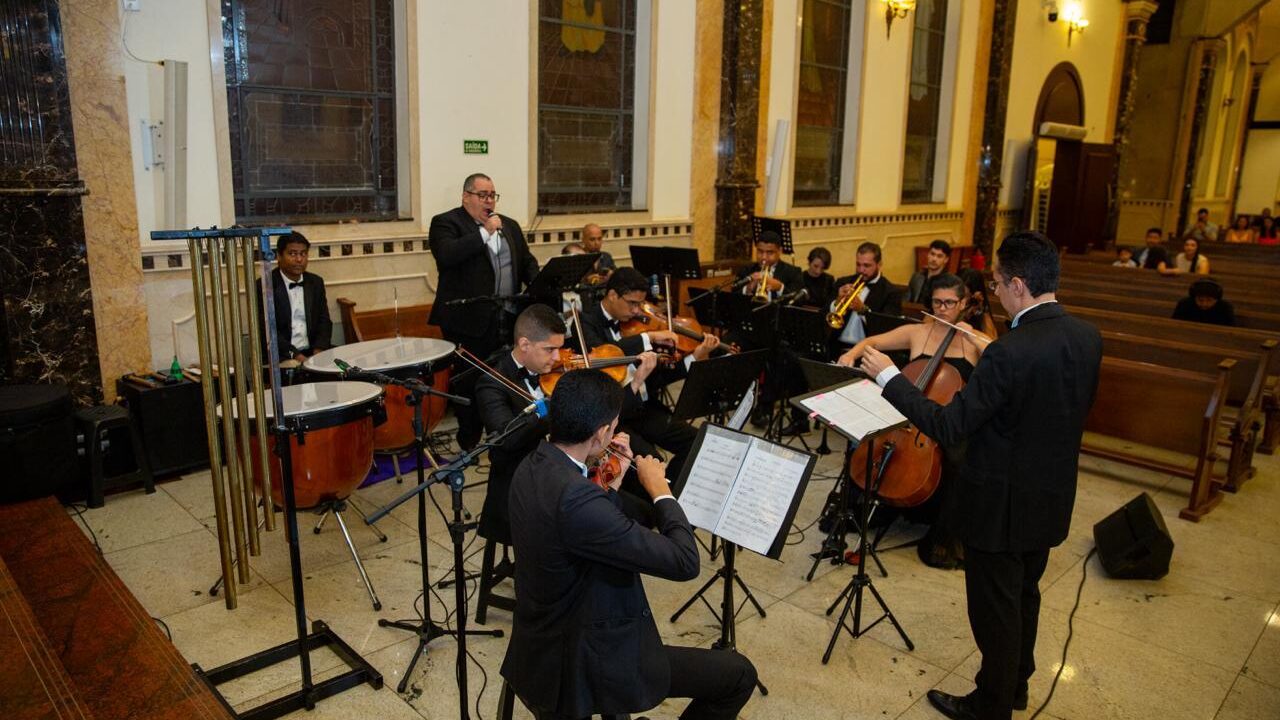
[(719, 681), (653, 428), (1003, 592)]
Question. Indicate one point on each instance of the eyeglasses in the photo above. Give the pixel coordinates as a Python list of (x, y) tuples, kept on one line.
[(484, 195), (945, 303)]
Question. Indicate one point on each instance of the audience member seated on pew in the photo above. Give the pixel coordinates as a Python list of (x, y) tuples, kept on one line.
[(1124, 257), (935, 264), (1240, 232), (1267, 231), (979, 307), (1257, 219), (1153, 256), (819, 283), (1188, 261), (1204, 304), (1201, 228)]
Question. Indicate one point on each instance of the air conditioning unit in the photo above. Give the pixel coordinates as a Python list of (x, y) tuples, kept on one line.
[(1062, 131)]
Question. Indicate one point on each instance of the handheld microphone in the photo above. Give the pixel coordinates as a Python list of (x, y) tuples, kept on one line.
[(489, 214)]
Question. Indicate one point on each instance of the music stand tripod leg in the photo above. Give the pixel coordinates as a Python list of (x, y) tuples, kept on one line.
[(852, 592), (728, 611), (833, 545)]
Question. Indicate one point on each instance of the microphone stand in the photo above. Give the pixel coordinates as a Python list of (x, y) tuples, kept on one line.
[(454, 474)]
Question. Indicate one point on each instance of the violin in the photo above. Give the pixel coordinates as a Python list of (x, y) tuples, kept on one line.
[(607, 357), (915, 469), (608, 467)]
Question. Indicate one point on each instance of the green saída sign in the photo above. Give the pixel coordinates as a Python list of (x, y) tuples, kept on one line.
[(475, 147)]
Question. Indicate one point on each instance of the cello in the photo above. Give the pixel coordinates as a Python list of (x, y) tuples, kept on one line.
[(915, 468)]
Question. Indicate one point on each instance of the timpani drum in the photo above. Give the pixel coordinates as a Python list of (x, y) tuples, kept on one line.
[(405, 357), (331, 443)]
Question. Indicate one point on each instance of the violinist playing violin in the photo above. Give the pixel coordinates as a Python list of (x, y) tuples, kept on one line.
[(1022, 414), (643, 417), (949, 300), (583, 639)]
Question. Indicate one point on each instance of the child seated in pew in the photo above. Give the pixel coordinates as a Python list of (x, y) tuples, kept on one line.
[(1124, 257), (1204, 304)]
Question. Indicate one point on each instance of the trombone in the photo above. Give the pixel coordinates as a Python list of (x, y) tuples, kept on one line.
[(761, 294), (838, 317)]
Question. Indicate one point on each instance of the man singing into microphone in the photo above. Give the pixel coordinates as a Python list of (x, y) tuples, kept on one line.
[(479, 254)]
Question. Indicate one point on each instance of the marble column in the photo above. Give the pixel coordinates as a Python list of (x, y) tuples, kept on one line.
[(44, 274), (99, 109), (736, 180), (1137, 14), (1209, 50), (1004, 21)]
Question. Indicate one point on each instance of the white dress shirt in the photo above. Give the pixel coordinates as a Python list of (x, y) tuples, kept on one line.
[(297, 314), (854, 331), (535, 389)]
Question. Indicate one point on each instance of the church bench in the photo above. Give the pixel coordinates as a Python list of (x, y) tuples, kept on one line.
[(1241, 420), (1245, 318), (1227, 267), (1182, 417), (1254, 287), (374, 324), (1224, 339), (1167, 295), (119, 664)]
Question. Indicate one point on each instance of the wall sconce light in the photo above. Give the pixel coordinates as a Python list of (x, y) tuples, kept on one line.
[(895, 9), (1073, 16)]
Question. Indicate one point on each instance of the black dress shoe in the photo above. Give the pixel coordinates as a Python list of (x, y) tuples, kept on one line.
[(956, 707)]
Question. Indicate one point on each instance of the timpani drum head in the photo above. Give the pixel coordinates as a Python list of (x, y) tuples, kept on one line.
[(311, 406), (385, 355)]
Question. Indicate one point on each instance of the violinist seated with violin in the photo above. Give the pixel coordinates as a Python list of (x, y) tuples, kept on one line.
[(949, 300), (648, 422), (583, 638)]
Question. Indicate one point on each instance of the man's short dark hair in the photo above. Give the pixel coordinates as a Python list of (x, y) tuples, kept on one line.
[(470, 183), (539, 322), (941, 245), (293, 238), (1206, 287), (869, 248), (1032, 257), (1155, 230), (1202, 211), (822, 254), (584, 401), (626, 280), (769, 237)]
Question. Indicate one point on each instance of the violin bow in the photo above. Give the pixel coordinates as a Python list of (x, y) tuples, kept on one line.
[(480, 365), (582, 339)]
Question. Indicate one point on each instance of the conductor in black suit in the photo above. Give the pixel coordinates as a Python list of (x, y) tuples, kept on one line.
[(583, 640), (303, 327), (1022, 412), (478, 253)]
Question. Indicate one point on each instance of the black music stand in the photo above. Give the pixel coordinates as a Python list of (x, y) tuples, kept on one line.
[(561, 273), (728, 573), (761, 224), (675, 262), (853, 591)]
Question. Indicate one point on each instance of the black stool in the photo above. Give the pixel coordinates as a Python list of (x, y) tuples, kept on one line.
[(490, 576), (95, 425), (37, 442), (507, 707)]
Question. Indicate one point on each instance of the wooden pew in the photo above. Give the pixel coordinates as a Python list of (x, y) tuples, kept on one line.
[(1218, 266), (118, 662), (1251, 319), (1241, 420), (1167, 295), (1129, 277), (1223, 339), (410, 320), (1183, 417)]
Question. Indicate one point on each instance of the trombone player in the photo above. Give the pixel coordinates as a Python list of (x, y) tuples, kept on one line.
[(867, 290)]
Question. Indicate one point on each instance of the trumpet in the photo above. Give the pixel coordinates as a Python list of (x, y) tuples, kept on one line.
[(762, 289), (838, 317)]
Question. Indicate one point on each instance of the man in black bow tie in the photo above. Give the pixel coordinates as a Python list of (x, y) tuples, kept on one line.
[(303, 327)]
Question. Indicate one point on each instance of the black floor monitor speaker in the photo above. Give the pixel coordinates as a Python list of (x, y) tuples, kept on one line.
[(1133, 541)]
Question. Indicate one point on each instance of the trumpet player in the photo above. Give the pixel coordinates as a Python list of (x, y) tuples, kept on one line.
[(874, 293), (771, 277)]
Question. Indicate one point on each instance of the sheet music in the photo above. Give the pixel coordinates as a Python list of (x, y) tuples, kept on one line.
[(711, 476), (758, 502), (856, 409), (744, 409)]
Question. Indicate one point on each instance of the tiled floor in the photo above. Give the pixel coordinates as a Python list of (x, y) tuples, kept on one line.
[(1204, 642)]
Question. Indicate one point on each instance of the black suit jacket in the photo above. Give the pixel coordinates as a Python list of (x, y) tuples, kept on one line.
[(1023, 412), (583, 639), (465, 272), (497, 405), (595, 328), (316, 306), (791, 277)]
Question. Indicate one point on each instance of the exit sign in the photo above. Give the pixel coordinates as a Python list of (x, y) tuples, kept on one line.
[(475, 147)]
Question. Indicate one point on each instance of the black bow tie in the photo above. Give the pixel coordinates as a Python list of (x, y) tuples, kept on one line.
[(615, 326), (293, 285), (526, 376)]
